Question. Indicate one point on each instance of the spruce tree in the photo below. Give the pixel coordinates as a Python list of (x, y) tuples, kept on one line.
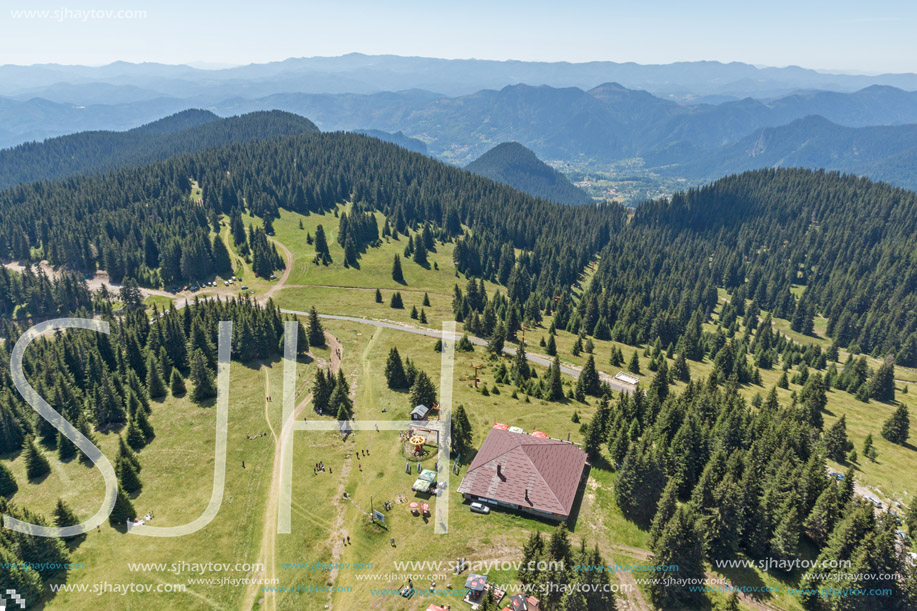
[(397, 274), (897, 428), (124, 451), (461, 430), (679, 544), (134, 435), (8, 485), (882, 383), (394, 370), (551, 346), (316, 332), (378, 296), (127, 475), (590, 378), (396, 302), (202, 378), (555, 383), (422, 391), (155, 386), (63, 515), (177, 384), (36, 465), (633, 365), (123, 509)]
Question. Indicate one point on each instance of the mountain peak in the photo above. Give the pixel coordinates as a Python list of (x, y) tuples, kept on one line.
[(515, 165)]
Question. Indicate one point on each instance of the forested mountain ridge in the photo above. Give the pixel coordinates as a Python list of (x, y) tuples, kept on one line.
[(136, 222), (101, 151), (848, 241), (514, 165)]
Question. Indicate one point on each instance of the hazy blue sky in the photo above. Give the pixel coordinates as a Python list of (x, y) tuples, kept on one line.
[(874, 36)]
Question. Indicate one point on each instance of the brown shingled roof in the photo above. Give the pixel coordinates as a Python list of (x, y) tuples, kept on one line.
[(541, 474)]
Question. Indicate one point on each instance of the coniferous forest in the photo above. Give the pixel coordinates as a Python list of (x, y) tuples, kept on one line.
[(709, 474)]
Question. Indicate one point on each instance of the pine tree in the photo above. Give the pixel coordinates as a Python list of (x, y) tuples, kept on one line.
[(869, 449), (178, 384), (555, 383), (144, 425), (426, 300), (820, 521), (316, 332), (882, 384), (640, 483), (128, 478), (8, 485), (594, 440), (302, 339), (680, 371), (135, 438), (396, 302), (551, 346), (633, 365), (679, 544), (202, 378), (497, 340), (665, 509), (590, 378), (397, 274), (124, 451), (66, 449), (461, 430), (322, 254), (378, 296), (155, 386), (835, 440), (897, 428), (36, 465), (420, 252), (422, 391), (63, 515), (339, 403), (394, 370), (123, 509)]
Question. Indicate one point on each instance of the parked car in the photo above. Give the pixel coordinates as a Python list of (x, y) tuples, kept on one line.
[(480, 508)]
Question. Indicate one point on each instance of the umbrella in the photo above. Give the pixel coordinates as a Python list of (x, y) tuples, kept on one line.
[(425, 507), (413, 505), (500, 427), (539, 434)]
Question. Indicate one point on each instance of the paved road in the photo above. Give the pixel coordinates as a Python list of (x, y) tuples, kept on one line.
[(535, 358)]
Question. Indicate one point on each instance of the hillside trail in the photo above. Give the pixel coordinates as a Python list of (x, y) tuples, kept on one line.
[(268, 551), (281, 282)]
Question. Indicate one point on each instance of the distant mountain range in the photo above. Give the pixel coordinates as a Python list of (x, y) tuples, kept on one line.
[(99, 151), (514, 165), (122, 82), (588, 126)]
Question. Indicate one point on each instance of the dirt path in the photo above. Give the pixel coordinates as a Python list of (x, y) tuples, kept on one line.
[(338, 533), (267, 555), (281, 282)]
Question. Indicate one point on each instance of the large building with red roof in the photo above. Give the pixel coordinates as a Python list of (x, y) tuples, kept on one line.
[(528, 473)]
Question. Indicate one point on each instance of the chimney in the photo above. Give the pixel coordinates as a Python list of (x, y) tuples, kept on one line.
[(499, 471)]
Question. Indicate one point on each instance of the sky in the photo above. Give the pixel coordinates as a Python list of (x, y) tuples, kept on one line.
[(865, 37)]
